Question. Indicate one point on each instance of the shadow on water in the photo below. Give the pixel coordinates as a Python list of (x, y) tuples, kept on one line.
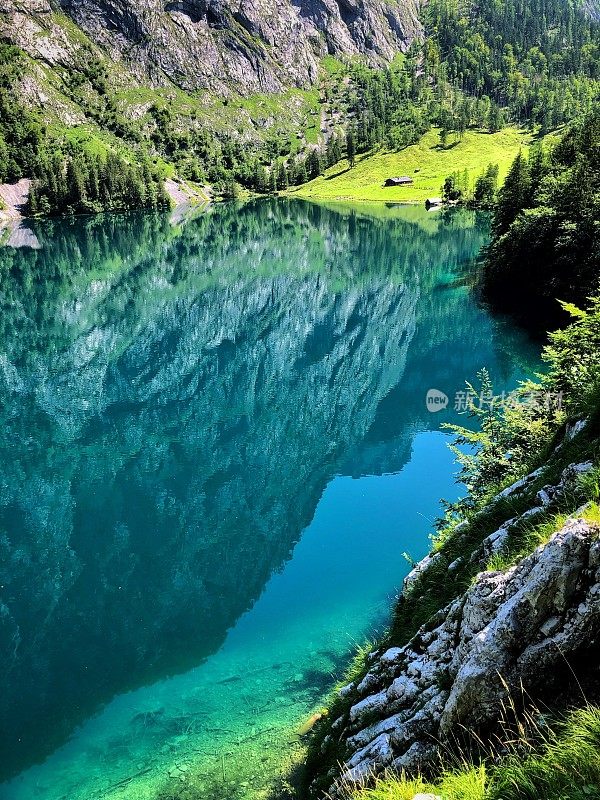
[(174, 400)]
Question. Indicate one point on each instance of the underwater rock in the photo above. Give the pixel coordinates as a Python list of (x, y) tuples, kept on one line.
[(310, 723)]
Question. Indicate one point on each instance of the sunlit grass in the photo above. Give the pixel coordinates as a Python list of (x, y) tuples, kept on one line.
[(567, 767), (467, 783), (563, 764), (365, 181)]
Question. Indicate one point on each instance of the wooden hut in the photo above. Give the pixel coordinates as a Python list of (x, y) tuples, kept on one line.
[(404, 180)]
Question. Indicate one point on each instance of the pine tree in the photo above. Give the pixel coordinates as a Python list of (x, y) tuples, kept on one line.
[(494, 119), (331, 153), (513, 195), (259, 178), (33, 201), (282, 178), (4, 160), (301, 173), (538, 165), (314, 164), (135, 194), (451, 191), (230, 188), (485, 187), (350, 148)]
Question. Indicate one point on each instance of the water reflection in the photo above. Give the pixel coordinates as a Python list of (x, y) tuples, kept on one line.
[(174, 400)]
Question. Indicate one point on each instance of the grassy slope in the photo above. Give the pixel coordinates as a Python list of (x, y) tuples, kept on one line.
[(562, 765), (365, 180), (437, 587)]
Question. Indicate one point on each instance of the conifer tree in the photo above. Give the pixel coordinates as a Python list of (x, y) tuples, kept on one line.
[(514, 194), (314, 164), (350, 148), (282, 178)]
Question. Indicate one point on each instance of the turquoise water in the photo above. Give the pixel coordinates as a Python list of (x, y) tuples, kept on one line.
[(216, 450)]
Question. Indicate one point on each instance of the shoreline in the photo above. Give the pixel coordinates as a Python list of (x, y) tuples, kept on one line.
[(13, 217)]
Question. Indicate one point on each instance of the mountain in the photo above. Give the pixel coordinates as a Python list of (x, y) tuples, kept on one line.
[(209, 91), (221, 45), (103, 101)]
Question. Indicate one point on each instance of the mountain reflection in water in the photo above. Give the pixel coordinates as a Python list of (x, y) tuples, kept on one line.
[(174, 400)]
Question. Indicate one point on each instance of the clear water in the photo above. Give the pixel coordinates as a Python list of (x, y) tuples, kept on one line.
[(216, 449)]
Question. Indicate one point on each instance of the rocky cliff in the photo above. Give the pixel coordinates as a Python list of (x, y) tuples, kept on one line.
[(526, 629), (221, 45)]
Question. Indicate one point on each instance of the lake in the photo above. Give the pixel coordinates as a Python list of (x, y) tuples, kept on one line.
[(216, 452)]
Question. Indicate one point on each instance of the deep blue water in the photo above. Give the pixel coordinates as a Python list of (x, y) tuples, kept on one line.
[(216, 450)]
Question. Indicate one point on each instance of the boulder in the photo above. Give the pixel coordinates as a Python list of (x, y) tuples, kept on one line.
[(510, 630)]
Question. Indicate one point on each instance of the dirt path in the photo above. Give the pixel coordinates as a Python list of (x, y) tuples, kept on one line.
[(14, 197)]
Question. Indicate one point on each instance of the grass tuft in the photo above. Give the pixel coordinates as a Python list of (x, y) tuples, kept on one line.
[(566, 767), (560, 762), (358, 665)]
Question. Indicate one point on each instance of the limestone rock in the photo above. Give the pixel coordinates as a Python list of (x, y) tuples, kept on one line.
[(574, 429), (510, 629), (221, 45), (519, 486), (420, 569)]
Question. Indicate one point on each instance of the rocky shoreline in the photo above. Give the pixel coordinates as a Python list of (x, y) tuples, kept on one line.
[(507, 635)]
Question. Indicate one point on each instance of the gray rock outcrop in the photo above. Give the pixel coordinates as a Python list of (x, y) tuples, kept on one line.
[(509, 630), (220, 45)]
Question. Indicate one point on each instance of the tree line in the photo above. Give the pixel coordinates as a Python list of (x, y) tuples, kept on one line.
[(80, 183), (545, 245), (531, 62)]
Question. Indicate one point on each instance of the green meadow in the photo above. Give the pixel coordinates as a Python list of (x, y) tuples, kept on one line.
[(427, 163)]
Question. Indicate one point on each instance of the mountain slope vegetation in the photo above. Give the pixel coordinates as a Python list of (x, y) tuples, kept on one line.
[(223, 96), (548, 216)]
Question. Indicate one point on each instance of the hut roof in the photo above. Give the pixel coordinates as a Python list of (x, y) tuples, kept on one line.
[(399, 181)]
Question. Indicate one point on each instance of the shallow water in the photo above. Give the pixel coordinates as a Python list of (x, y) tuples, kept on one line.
[(216, 452)]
